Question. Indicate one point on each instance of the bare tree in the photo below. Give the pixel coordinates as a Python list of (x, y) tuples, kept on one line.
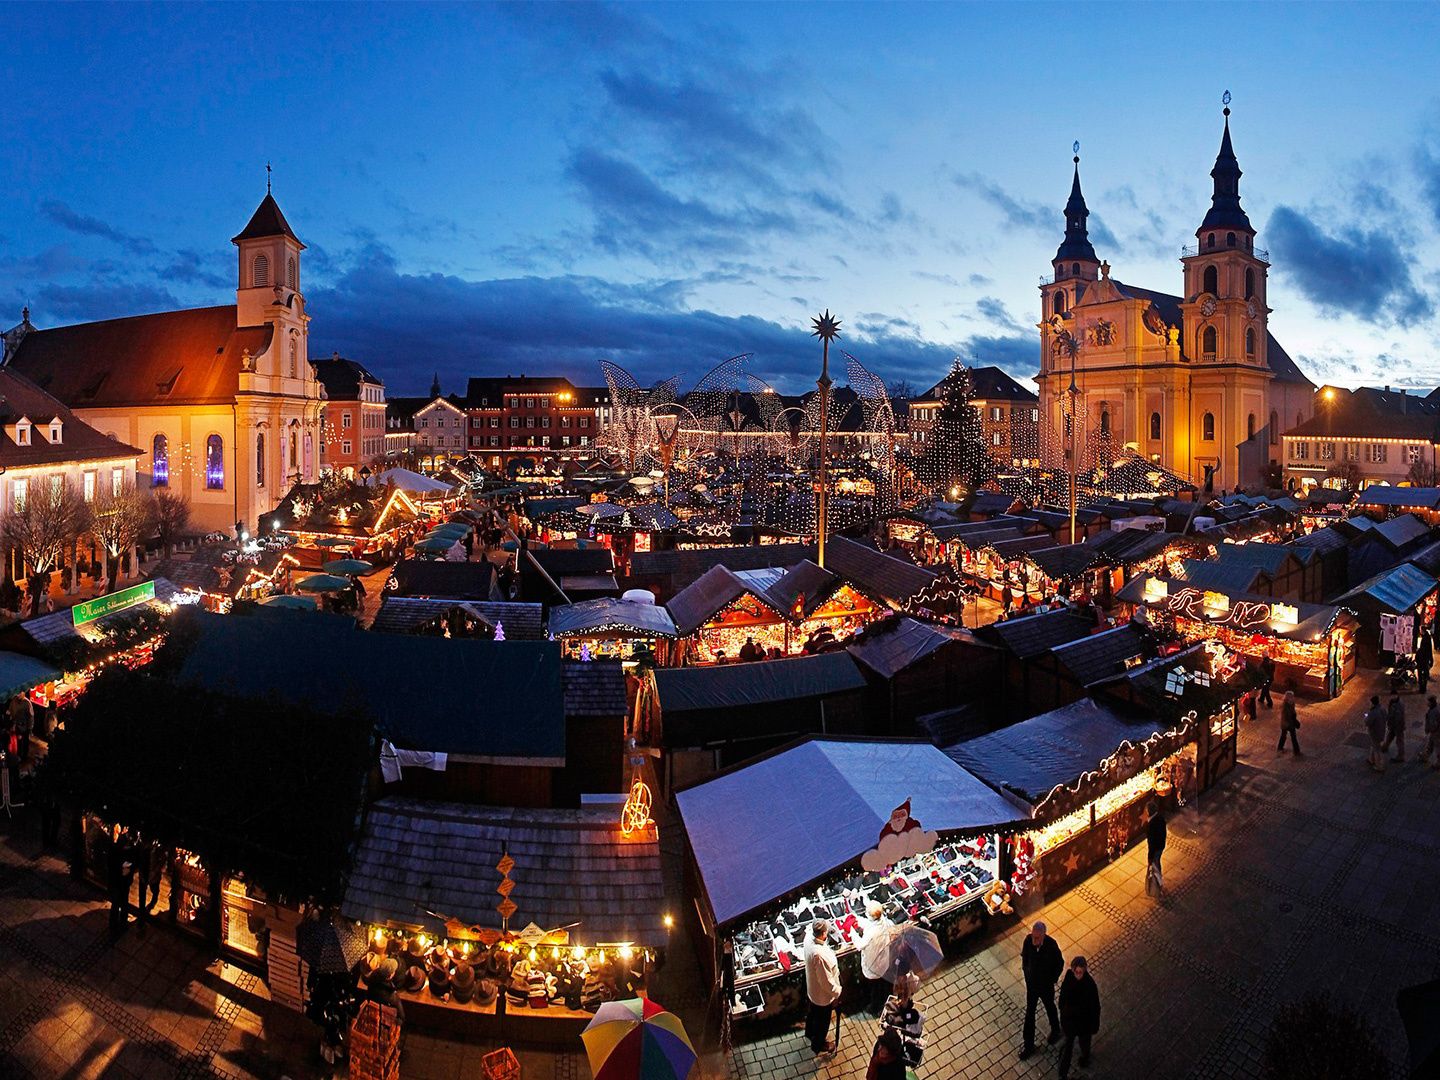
[(50, 519), (120, 521), (1421, 474), (901, 390), (171, 516)]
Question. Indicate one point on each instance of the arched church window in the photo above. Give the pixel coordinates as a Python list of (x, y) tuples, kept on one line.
[(1207, 341), (1074, 268), (1230, 239), (1154, 425), (292, 277), (260, 271), (215, 463), (160, 462), (1060, 302), (1274, 428), (1250, 341), (1250, 426), (1210, 240), (1249, 284), (1207, 427), (294, 359), (1211, 281), (259, 459), (1104, 421)]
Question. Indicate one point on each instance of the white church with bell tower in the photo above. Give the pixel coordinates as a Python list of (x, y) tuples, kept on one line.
[(1194, 382)]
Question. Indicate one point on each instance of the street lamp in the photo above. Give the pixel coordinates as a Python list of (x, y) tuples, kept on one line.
[(827, 329)]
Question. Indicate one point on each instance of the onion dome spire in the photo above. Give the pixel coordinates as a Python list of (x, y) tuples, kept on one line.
[(1076, 245), (1225, 210)]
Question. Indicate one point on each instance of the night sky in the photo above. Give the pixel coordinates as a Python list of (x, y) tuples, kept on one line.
[(507, 190)]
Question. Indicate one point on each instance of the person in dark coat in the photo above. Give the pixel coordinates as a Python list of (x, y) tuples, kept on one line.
[(1042, 964), (1155, 837), (1424, 659), (1079, 1013), (887, 1061), (119, 873), (1375, 720), (1395, 728), (1289, 723), (1267, 677)]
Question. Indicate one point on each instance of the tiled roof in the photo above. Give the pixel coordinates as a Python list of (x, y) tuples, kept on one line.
[(1322, 540), (266, 221), (989, 382), (19, 397), (1032, 635), (1370, 412), (171, 358), (443, 580), (594, 687), (404, 614), (570, 866), (342, 378)]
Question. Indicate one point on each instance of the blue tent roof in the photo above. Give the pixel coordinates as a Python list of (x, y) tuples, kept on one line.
[(770, 828)]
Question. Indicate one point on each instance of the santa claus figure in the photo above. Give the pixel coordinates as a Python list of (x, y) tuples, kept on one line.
[(900, 821)]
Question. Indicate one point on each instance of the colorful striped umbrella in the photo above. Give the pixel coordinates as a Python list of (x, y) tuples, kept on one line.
[(637, 1039)]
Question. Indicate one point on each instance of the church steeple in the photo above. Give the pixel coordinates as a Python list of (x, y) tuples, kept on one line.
[(1076, 246), (435, 387), (1225, 210)]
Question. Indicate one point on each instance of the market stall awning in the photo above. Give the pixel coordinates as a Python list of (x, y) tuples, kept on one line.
[(1034, 757), (610, 615), (764, 682), (19, 673), (764, 830), (413, 482), (710, 594), (417, 858), (882, 577), (1240, 611), (1398, 590)]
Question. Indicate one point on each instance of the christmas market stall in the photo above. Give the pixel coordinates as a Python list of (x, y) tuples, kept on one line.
[(124, 627), (717, 715), (1313, 645), (619, 628), (335, 518), (513, 924), (1083, 773), (442, 617), (1392, 607), (919, 667), (894, 823), (1000, 567), (1131, 553)]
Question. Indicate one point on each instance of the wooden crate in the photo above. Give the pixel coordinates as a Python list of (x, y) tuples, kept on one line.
[(500, 1065), (375, 1043)]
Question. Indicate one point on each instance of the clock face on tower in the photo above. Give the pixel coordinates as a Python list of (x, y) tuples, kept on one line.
[(1251, 309), (1207, 306)]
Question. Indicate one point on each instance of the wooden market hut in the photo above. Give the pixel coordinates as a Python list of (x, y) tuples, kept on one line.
[(1401, 590), (1326, 553), (918, 668), (1385, 544), (1021, 642), (556, 575), (433, 616), (716, 716), (1290, 576), (665, 573), (1066, 672), (1381, 501), (612, 627), (436, 579)]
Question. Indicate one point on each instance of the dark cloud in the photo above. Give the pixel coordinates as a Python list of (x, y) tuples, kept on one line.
[(1427, 164), (1351, 271), (67, 218), (995, 311), (107, 300), (409, 325), (634, 212), (192, 268), (723, 128), (1017, 354), (1028, 216)]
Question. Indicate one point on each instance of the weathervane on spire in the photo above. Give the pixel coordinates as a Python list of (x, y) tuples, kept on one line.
[(267, 178), (1076, 150), (1225, 100)]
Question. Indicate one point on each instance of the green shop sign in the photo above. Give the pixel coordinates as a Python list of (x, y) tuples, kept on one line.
[(91, 610)]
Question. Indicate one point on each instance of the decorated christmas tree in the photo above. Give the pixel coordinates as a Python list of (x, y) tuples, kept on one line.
[(956, 458)]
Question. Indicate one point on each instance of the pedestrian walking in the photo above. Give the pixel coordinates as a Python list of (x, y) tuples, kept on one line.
[(158, 858), (887, 1060), (1395, 728), (1079, 1013), (1042, 964), (1156, 834), (119, 869), (1431, 750), (822, 987), (1289, 723), (871, 923), (1424, 658), (1375, 728), (1267, 677)]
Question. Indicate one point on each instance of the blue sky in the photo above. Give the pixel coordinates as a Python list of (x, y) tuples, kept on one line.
[(492, 190)]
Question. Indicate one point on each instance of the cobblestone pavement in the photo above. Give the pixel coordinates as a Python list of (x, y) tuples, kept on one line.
[(1292, 873)]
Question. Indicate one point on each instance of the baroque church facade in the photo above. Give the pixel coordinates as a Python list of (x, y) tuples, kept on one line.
[(1194, 382), (222, 402)]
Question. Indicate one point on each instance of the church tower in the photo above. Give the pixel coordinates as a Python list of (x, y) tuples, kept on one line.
[(1225, 276), (1075, 262), (268, 290)]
